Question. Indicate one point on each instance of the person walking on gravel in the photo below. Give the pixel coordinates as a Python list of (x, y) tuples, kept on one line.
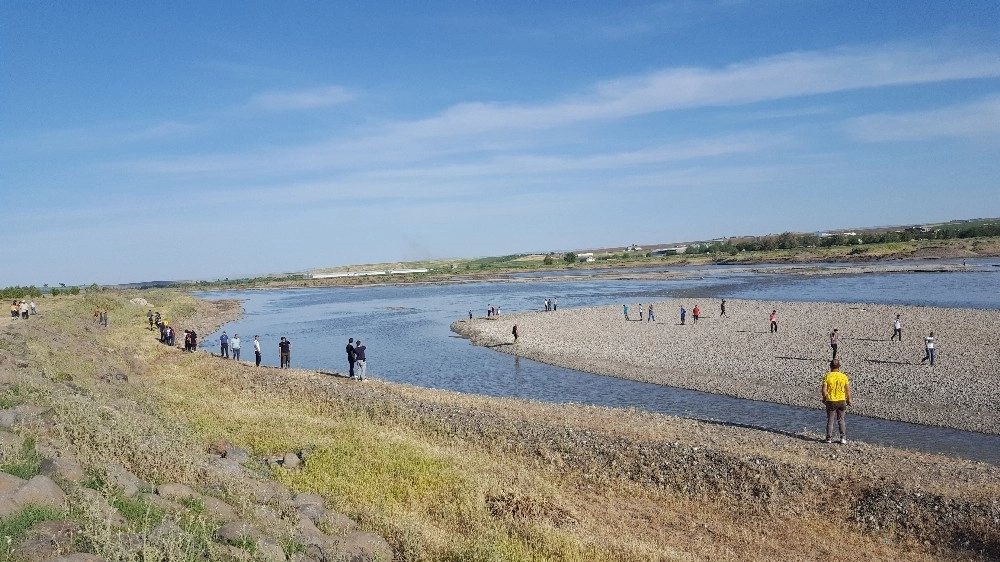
[(897, 329), (837, 397), (929, 349), (625, 310), (774, 321), (834, 341), (722, 308), (683, 315)]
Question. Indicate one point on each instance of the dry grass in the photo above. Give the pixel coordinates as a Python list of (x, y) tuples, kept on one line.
[(470, 482)]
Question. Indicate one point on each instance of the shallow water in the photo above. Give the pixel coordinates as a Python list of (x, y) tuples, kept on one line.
[(406, 330)]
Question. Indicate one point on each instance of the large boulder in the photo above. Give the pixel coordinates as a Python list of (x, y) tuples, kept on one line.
[(40, 491)]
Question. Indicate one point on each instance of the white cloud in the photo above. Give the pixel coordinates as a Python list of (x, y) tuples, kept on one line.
[(313, 98), (779, 77), (969, 120)]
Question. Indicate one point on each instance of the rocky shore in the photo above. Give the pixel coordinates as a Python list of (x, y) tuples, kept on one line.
[(737, 355)]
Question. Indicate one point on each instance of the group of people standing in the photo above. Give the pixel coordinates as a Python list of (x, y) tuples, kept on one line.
[(19, 309), (356, 357), (551, 305)]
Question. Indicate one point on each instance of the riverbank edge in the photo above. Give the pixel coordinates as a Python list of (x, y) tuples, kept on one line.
[(705, 378)]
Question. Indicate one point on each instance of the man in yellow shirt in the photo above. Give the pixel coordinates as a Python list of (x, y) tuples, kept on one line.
[(837, 397)]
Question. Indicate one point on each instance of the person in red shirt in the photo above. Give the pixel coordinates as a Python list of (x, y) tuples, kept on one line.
[(696, 313)]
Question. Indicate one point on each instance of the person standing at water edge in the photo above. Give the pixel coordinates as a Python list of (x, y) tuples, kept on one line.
[(834, 340), (514, 332), (235, 344), (774, 321), (837, 397), (640, 312), (359, 352), (352, 356), (285, 353), (929, 349), (722, 308), (256, 350), (224, 345), (625, 310), (555, 305), (897, 329)]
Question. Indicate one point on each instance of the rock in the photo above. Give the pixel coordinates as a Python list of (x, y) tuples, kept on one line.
[(108, 512), (268, 491), (10, 441), (290, 460), (176, 492), (336, 521), (129, 483), (238, 531), (10, 484), (46, 540), (219, 509), (40, 491), (166, 529), (115, 375), (162, 503), (269, 550), (361, 546), (8, 418), (64, 468), (307, 498), (78, 557)]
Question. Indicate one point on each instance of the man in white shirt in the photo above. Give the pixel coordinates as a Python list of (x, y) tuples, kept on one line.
[(256, 349), (897, 329), (929, 347)]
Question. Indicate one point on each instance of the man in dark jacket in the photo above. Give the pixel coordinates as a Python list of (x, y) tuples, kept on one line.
[(351, 356)]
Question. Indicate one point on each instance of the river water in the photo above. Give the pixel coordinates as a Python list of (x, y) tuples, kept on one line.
[(406, 330)]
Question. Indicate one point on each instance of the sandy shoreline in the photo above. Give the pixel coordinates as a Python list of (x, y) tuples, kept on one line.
[(736, 355)]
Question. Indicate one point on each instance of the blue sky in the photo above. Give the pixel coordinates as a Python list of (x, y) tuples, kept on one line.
[(201, 140)]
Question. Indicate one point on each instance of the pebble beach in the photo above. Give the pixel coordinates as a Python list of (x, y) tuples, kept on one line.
[(737, 355)]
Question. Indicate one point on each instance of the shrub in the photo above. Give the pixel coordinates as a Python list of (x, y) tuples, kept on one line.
[(569, 257)]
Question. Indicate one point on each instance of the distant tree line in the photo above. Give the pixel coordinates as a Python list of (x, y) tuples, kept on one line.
[(790, 240)]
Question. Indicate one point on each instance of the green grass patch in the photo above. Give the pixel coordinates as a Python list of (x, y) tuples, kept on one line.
[(138, 512), (14, 527), (25, 463)]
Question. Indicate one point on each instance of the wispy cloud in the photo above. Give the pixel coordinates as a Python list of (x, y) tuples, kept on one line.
[(969, 120), (784, 76), (104, 136), (313, 98)]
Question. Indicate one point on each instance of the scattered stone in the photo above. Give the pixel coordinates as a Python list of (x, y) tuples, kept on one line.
[(107, 511), (115, 375), (64, 468), (290, 461), (10, 441), (336, 521), (270, 550), (238, 531), (362, 546), (46, 540), (40, 491), (219, 509), (162, 502), (176, 492), (130, 484), (78, 557)]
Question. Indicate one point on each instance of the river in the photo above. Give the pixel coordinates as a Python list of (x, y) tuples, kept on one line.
[(406, 330)]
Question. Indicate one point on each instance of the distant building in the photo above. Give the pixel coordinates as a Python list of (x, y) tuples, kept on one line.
[(588, 256), (673, 250)]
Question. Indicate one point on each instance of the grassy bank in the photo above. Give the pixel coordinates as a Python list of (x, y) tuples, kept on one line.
[(444, 476)]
